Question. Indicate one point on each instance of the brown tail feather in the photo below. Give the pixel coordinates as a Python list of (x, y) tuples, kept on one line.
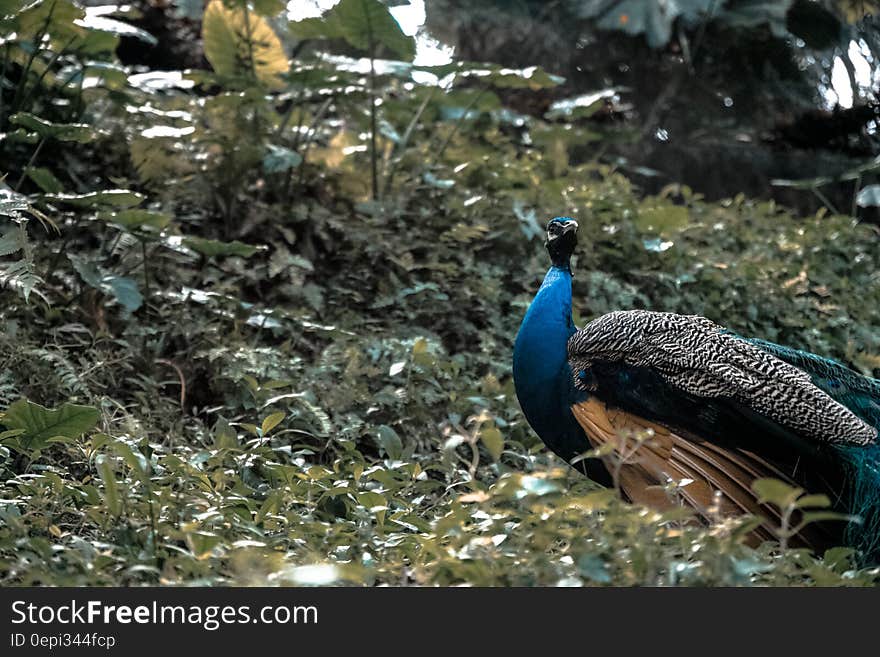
[(722, 477)]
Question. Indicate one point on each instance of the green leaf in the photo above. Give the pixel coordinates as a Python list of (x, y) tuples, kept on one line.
[(327, 27), (269, 8), (839, 558), (594, 567), (135, 218), (492, 441), (809, 517), (88, 270), (41, 423), (579, 107), (271, 421), (662, 218), (126, 291), (775, 491), (111, 488), (753, 13), (279, 158), (76, 132), (12, 241), (57, 18), (224, 434), (813, 501), (45, 179), (374, 503), (212, 248), (364, 24), (532, 77), (389, 441), (118, 198), (133, 459), (10, 7), (239, 42), (202, 543), (95, 19)]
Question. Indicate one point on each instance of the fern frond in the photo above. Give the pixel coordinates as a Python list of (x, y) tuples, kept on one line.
[(22, 277), (66, 371)]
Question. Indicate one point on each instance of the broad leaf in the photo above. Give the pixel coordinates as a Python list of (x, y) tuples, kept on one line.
[(776, 492), (119, 198), (40, 423), (217, 248), (389, 441), (55, 18), (492, 441), (76, 132), (45, 180), (135, 218), (531, 77), (365, 24), (126, 291), (279, 158), (96, 19), (111, 488), (11, 241), (271, 421), (239, 42)]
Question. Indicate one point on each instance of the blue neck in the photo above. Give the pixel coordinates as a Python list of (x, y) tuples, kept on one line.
[(541, 373)]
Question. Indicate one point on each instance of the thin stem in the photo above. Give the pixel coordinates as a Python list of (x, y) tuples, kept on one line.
[(698, 42), (460, 122), (294, 103), (38, 39), (313, 128), (2, 78), (299, 124), (63, 248), (146, 270), (55, 57), (371, 44), (79, 107), (824, 199), (659, 109), (855, 198), (154, 529), (29, 163), (374, 169), (785, 528), (401, 147), (249, 41), (475, 457)]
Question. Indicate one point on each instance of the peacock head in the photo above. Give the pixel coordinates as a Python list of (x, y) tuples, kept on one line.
[(561, 240)]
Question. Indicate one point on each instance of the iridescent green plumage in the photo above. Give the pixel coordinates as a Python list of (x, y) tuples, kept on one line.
[(861, 395)]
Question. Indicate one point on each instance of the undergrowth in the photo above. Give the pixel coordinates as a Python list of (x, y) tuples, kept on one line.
[(301, 377)]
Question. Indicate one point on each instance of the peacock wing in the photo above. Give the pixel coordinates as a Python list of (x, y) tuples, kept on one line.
[(699, 358), (718, 480), (860, 394)]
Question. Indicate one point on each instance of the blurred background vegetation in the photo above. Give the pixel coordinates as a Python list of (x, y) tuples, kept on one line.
[(262, 267)]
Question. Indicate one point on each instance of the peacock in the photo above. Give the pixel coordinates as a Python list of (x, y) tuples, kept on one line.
[(721, 410)]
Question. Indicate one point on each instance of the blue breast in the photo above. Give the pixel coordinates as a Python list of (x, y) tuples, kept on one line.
[(541, 374)]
